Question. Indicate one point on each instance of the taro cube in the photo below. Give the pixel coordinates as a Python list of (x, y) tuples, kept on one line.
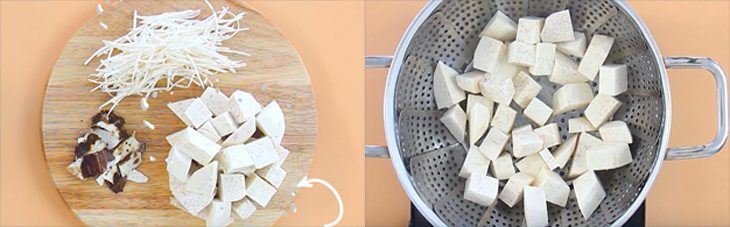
[(493, 144), (504, 118), (192, 112), (601, 109), (272, 174), (481, 189), (538, 112), (445, 90), (215, 100), (223, 124), (502, 167), (512, 192), (613, 79), (488, 53), (528, 29), (557, 28), (520, 53), (243, 106), (231, 187), (258, 190), (500, 27), (544, 59), (595, 55), (455, 121), (615, 131), (526, 89), (271, 121)]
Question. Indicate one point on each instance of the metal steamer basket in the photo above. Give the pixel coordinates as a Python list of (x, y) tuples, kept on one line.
[(427, 158)]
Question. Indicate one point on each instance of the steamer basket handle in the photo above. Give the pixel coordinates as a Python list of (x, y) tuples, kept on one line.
[(378, 61), (373, 151), (722, 109)]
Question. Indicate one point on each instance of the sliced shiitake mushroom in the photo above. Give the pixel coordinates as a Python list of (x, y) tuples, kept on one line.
[(107, 152)]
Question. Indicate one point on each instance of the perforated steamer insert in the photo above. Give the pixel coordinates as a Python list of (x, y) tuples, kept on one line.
[(427, 158)]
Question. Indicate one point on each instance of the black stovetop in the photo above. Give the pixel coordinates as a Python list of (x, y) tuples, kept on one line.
[(638, 220)]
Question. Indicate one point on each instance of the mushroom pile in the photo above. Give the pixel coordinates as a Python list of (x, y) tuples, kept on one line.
[(108, 153)]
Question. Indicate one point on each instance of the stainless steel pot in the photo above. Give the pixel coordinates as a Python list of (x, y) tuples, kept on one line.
[(426, 160)]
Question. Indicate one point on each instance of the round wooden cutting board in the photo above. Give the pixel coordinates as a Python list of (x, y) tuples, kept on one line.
[(274, 72)]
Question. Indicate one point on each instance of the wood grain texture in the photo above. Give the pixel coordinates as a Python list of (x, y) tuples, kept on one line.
[(274, 72)]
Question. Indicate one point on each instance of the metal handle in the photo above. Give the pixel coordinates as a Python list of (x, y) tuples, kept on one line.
[(373, 151), (722, 113), (378, 61)]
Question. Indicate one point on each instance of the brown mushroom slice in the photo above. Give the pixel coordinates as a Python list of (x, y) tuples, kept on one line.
[(108, 176), (109, 127), (111, 118), (108, 133), (90, 141), (129, 145), (95, 164), (100, 150), (96, 147), (119, 182)]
